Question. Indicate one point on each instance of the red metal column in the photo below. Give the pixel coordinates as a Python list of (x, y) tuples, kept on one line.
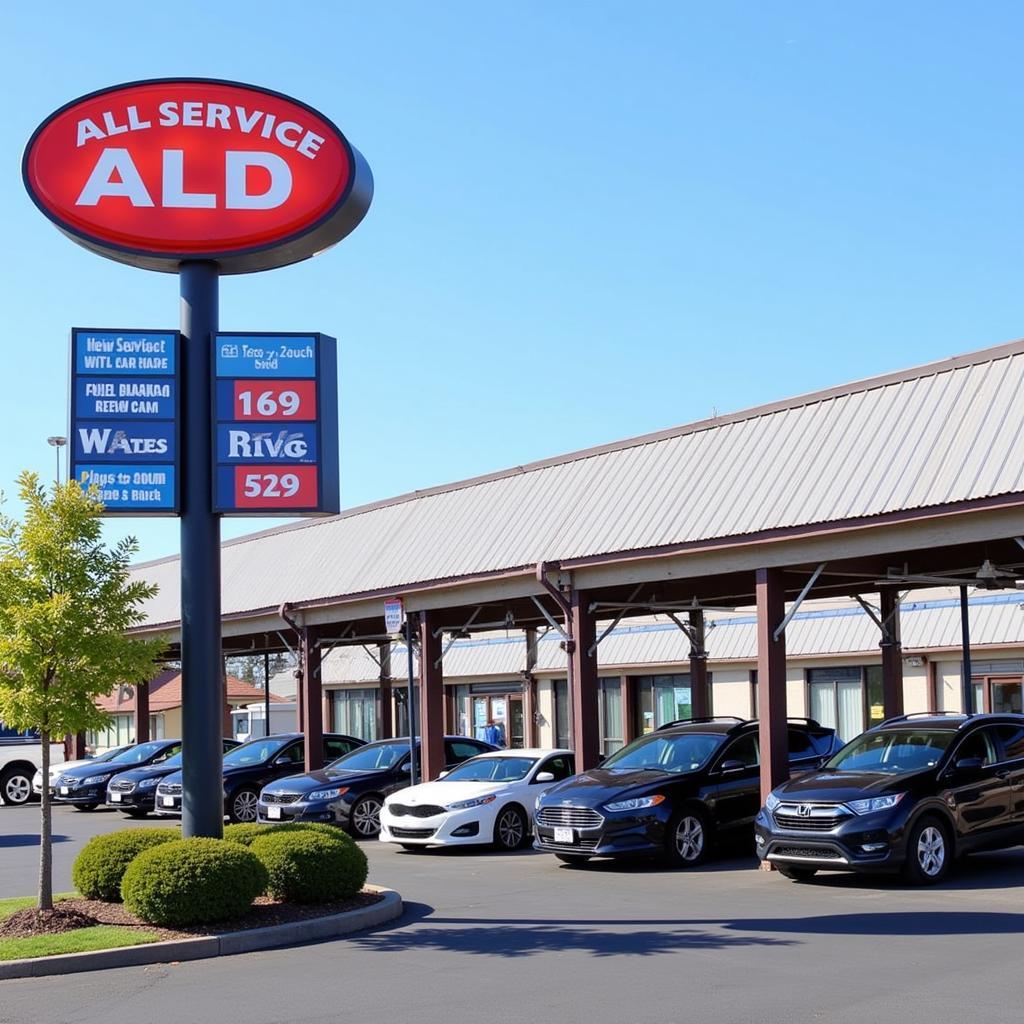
[(77, 745), (385, 728), (771, 680), (311, 704), (700, 698), (141, 712), (431, 700), (583, 681), (892, 653), (530, 691)]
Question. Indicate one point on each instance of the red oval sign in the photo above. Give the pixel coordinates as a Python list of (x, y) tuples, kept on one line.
[(154, 173)]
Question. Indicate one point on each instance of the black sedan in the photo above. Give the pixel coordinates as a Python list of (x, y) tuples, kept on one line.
[(134, 791), (85, 787), (351, 791), (250, 766)]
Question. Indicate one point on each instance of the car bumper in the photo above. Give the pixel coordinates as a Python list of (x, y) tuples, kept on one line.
[(168, 804), (330, 812), (456, 828), (80, 795), (620, 835), (136, 800)]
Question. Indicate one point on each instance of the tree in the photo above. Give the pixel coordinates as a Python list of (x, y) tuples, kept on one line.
[(66, 604)]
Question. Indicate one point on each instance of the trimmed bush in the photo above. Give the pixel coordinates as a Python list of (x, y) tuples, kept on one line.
[(306, 867), (193, 881), (99, 868), (245, 832)]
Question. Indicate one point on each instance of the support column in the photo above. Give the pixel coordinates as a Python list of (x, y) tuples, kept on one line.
[(312, 707), (892, 653), (142, 712), (385, 726), (77, 751), (431, 699), (700, 698), (583, 686), (966, 674), (771, 680), (530, 691)]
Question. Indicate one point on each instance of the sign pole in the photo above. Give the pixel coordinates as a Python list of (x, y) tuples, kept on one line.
[(202, 712)]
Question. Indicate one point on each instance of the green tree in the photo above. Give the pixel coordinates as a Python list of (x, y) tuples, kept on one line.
[(66, 604)]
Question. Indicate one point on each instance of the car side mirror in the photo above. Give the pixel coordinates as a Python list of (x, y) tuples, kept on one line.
[(731, 766), (544, 777), (969, 764), (407, 768), (283, 760), (444, 773)]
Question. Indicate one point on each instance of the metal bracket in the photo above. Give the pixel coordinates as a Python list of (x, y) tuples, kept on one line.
[(618, 618), (875, 615), (547, 615), (459, 629), (781, 628), (288, 646)]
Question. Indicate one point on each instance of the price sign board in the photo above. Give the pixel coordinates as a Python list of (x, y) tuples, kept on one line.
[(276, 424), (394, 615), (124, 418)]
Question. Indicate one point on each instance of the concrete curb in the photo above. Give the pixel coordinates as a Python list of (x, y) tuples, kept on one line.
[(228, 944)]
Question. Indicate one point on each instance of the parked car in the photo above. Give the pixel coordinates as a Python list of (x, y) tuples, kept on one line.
[(350, 791), (672, 792), (56, 770), (487, 799), (909, 795), (134, 791), (85, 787), (249, 767), (21, 755)]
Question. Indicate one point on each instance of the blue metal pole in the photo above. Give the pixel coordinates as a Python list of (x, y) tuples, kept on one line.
[(202, 710)]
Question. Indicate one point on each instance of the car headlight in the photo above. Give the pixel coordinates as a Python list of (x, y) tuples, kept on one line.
[(536, 802), (772, 802), (95, 780), (148, 783), (479, 801), (875, 803), (327, 794), (636, 803)]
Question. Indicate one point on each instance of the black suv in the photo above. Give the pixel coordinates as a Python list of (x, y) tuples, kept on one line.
[(910, 794), (250, 766), (85, 787), (351, 791), (672, 792)]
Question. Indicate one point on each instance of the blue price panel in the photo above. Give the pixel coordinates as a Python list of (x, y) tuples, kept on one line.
[(124, 418), (275, 448)]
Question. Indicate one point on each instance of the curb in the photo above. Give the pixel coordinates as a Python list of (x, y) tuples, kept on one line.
[(228, 944)]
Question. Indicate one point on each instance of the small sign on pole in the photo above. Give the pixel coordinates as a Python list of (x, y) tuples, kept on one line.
[(394, 615)]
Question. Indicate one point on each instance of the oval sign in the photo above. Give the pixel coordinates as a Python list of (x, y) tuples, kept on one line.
[(157, 172)]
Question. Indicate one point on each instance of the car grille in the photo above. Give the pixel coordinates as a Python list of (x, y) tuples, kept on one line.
[(419, 811), (122, 787), (68, 780), (169, 789), (585, 843), (816, 852), (412, 833), (569, 817), (820, 818), (280, 798)]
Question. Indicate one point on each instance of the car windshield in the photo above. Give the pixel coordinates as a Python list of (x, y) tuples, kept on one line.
[(665, 752), (109, 755), (136, 755), (893, 750), (491, 769), (374, 757), (256, 751), (175, 761)]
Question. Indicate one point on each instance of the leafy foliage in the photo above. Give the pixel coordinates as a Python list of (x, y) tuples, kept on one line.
[(192, 881), (248, 833), (100, 867), (306, 867)]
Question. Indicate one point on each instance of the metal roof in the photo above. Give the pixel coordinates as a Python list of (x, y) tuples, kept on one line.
[(943, 433)]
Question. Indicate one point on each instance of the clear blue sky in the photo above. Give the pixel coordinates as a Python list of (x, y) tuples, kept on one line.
[(591, 220)]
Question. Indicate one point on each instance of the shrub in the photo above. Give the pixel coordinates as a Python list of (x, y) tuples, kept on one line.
[(307, 867), (193, 881), (246, 832), (99, 868)]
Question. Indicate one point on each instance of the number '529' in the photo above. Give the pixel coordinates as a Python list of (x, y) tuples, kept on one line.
[(271, 485)]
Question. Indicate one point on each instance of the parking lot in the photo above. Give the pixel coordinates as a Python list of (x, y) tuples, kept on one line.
[(518, 936)]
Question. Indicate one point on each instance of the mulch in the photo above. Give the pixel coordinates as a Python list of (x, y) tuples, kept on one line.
[(87, 913)]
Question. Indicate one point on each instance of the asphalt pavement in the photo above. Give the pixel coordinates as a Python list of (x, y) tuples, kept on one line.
[(519, 937)]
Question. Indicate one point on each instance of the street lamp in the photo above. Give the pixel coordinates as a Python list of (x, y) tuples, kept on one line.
[(57, 443)]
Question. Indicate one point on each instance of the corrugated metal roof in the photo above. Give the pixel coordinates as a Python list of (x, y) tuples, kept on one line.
[(947, 432)]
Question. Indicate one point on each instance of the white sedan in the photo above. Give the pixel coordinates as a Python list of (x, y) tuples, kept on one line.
[(487, 799)]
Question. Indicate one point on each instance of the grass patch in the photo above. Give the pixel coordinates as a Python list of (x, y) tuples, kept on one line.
[(13, 904), (82, 940)]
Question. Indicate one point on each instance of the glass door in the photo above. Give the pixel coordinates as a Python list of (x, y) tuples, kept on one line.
[(516, 723), (1004, 696)]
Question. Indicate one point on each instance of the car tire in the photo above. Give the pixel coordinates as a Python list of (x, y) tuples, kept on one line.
[(244, 804), (573, 860), (687, 838), (16, 787), (511, 829), (85, 807), (135, 814), (929, 852), (364, 818), (796, 874)]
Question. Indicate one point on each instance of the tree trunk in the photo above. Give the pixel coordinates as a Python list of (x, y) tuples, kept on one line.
[(45, 848)]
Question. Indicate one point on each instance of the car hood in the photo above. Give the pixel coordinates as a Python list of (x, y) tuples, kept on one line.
[(87, 768), (445, 793), (843, 786), (599, 785), (319, 779), (153, 771), (173, 777)]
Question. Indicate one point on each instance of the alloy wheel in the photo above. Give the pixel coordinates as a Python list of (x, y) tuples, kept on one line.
[(366, 817), (245, 806), (510, 829), (931, 851), (18, 789), (689, 839)]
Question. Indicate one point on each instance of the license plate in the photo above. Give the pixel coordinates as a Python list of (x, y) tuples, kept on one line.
[(168, 801), (565, 835), (115, 798), (64, 791), (273, 812)]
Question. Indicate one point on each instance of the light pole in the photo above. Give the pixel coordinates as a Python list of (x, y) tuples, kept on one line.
[(57, 443)]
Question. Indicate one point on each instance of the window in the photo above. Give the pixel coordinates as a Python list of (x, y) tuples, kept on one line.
[(666, 752), (334, 748), (294, 753), (561, 767), (893, 750), (744, 749), (459, 750), (560, 693), (156, 727), (800, 745), (609, 713), (837, 699), (753, 693), (355, 713), (1012, 739), (662, 699), (119, 731), (9, 735), (980, 744)]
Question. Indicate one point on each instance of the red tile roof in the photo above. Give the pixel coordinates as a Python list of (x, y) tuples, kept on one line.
[(165, 693)]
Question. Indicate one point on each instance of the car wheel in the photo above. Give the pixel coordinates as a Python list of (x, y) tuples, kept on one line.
[(85, 807), (365, 817), (244, 805), (510, 828), (796, 874), (574, 860), (929, 852), (688, 838), (16, 787), (135, 814)]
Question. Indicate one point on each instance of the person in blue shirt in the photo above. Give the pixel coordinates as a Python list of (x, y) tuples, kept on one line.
[(493, 734)]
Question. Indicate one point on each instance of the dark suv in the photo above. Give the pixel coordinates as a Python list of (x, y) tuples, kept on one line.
[(910, 794), (672, 792)]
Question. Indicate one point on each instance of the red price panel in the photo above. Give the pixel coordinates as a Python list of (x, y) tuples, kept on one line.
[(283, 487), (274, 400)]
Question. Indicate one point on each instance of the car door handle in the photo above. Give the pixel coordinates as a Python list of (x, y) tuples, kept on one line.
[(1003, 773)]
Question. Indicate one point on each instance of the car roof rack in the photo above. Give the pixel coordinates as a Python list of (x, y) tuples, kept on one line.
[(812, 722), (925, 714), (703, 718)]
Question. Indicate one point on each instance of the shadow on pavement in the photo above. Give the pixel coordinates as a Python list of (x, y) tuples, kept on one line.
[(27, 839)]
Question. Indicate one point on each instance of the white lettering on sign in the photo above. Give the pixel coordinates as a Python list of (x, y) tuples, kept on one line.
[(104, 441), (174, 194), (238, 197), (249, 444), (114, 164)]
